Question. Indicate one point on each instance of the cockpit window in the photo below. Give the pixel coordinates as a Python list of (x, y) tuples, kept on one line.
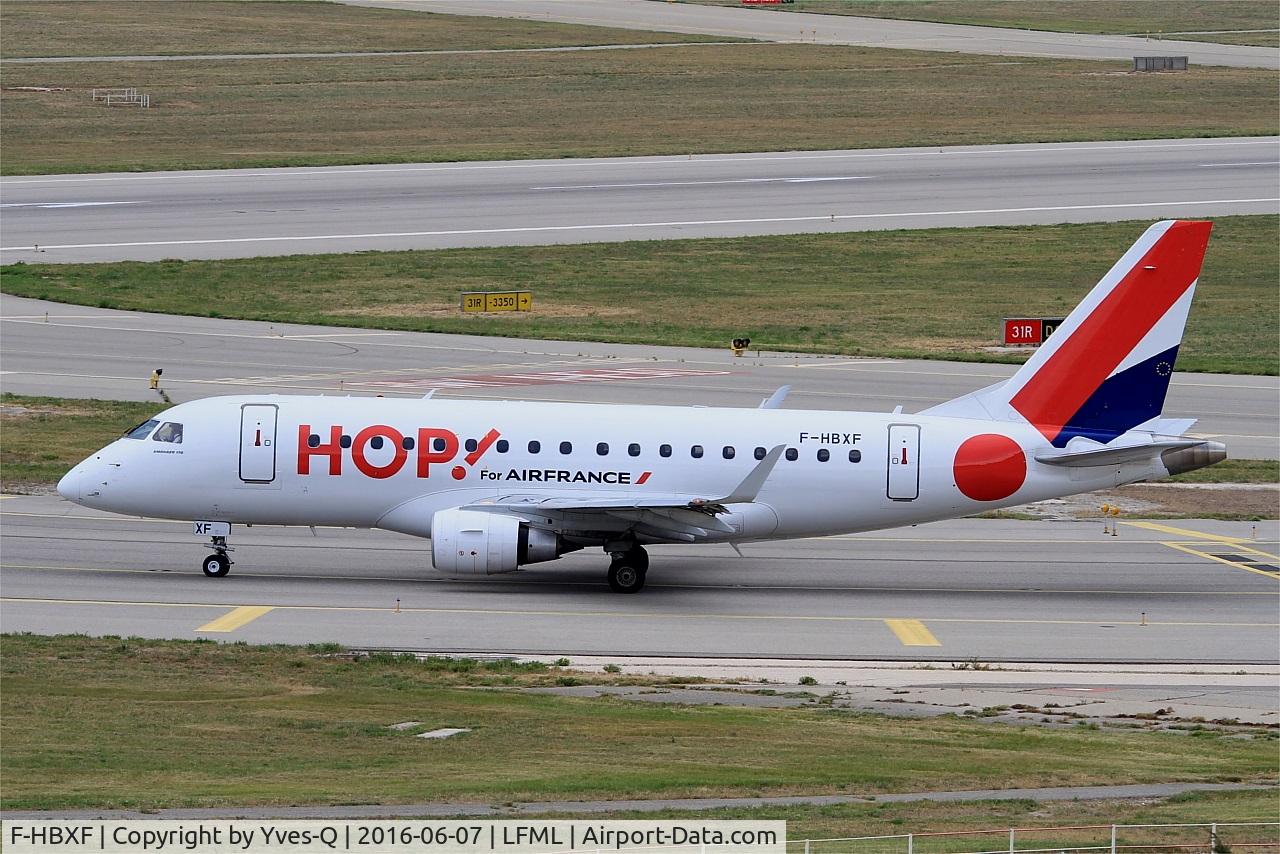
[(142, 430), (170, 431)]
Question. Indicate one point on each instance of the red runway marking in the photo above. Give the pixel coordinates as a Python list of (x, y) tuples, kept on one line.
[(584, 375)]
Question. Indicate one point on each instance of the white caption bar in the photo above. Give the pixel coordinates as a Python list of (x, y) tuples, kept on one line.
[(376, 836)]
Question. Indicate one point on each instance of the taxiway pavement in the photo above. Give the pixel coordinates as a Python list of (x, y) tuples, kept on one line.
[(770, 25), (986, 590), (77, 351), (251, 212)]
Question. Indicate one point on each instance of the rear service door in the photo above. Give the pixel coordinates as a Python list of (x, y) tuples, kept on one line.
[(904, 462), (258, 443)]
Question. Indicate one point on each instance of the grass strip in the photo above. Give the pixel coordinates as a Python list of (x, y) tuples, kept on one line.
[(1106, 17), (908, 293), (178, 27), (673, 100), (1232, 471), (106, 722)]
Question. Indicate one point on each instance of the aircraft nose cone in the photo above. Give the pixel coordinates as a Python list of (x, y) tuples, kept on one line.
[(69, 485)]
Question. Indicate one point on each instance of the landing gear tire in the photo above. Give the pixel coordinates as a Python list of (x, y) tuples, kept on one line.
[(216, 565), (626, 575)]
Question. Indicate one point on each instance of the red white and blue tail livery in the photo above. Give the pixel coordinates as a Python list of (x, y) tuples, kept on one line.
[(499, 485)]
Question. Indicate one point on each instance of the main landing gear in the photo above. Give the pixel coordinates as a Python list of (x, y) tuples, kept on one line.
[(627, 570), (217, 564)]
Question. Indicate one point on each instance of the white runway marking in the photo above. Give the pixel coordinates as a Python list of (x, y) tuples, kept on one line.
[(700, 183), (620, 225), (330, 171), (1236, 165), (51, 205)]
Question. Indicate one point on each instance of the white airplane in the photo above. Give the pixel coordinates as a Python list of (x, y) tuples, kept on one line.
[(498, 485)]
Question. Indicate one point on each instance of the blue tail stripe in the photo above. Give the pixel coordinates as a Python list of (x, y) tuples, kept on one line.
[(1123, 401)]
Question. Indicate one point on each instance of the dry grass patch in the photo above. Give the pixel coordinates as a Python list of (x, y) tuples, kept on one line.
[(176, 27), (655, 101), (107, 722)]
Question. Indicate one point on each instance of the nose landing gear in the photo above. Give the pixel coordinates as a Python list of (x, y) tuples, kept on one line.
[(217, 564)]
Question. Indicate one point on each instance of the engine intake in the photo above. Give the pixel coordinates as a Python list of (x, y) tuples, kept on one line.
[(473, 542)]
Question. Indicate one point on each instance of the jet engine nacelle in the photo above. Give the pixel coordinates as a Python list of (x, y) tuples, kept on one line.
[(473, 542)]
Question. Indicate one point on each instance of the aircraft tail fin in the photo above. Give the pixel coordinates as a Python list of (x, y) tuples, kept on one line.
[(1106, 369)]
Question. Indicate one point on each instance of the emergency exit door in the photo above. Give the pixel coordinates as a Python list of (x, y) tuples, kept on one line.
[(258, 443), (904, 462)]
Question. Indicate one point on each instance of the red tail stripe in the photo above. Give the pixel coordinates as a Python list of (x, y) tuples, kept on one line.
[(1111, 331)]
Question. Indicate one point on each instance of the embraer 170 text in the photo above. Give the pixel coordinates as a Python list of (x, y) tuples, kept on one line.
[(497, 485)]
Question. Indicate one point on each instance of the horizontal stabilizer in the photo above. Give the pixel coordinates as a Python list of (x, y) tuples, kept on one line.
[(1104, 456)]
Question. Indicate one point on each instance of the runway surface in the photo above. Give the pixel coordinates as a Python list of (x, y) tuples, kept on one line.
[(230, 57), (985, 589), (244, 213), (840, 29), (77, 351)]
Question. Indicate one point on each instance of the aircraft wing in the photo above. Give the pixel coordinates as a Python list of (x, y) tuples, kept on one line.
[(672, 515)]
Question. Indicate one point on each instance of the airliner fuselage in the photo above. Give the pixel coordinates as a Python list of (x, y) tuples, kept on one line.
[(497, 485)]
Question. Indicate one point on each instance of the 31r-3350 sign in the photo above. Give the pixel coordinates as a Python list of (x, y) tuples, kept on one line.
[(1029, 331), (484, 301)]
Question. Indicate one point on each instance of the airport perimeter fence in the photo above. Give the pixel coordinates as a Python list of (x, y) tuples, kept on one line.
[(1256, 837), (1238, 837)]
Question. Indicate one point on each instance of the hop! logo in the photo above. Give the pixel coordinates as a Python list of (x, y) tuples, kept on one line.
[(432, 445)]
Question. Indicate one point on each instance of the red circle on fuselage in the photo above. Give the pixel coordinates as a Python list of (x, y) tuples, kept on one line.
[(989, 467)]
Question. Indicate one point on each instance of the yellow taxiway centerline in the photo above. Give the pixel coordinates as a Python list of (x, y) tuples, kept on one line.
[(912, 633), (1184, 532), (644, 615), (846, 588), (236, 618)]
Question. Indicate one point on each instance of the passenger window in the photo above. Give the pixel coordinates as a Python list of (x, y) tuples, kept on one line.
[(345, 441), (633, 449), (664, 450), (437, 444), (169, 431), (855, 456), (535, 447), (502, 446), (142, 431), (696, 452), (792, 454), (823, 455), (470, 444), (602, 448), (728, 452), (376, 443), (566, 447), (761, 453), (313, 441), (406, 443)]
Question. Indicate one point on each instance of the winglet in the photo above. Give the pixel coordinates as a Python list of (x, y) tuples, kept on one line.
[(774, 401), (747, 491)]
